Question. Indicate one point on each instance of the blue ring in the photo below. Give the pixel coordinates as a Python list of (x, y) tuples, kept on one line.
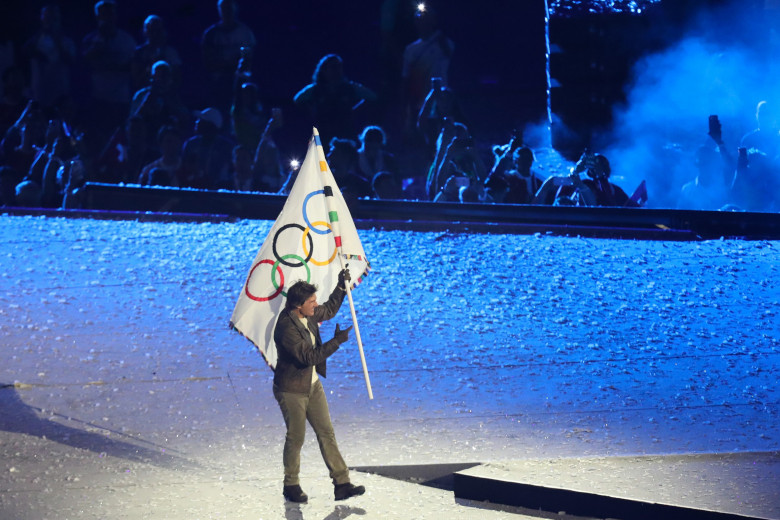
[(306, 219)]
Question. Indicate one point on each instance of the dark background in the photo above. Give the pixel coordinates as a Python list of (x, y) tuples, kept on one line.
[(499, 68)]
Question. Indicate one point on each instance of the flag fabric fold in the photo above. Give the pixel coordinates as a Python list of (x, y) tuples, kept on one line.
[(312, 239)]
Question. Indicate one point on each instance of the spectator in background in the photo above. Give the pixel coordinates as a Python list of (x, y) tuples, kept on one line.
[(53, 186), (462, 160), (450, 191), (596, 190), (385, 185), (343, 161), (247, 116), (425, 58), (160, 177), (396, 28), (159, 104), (331, 99), (42, 174), (372, 155), (243, 72), (765, 137), (440, 103), (523, 182), (706, 191), (155, 48), (109, 53), (206, 157), (711, 189), (565, 191), (74, 174), (221, 47), (243, 171), (503, 155), (755, 184), (598, 170), (15, 100), (290, 177), (169, 141), (25, 139), (51, 54), (125, 154), (471, 194), (28, 194), (8, 182), (517, 185), (267, 164), (449, 132), (38, 167)]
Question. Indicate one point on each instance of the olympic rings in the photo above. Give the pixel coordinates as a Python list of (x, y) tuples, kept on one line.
[(276, 266), (306, 218), (303, 241), (278, 289), (308, 250), (281, 258)]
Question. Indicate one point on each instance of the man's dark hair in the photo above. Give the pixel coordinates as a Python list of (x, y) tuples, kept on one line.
[(298, 294)]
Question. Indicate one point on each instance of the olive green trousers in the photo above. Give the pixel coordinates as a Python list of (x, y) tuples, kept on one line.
[(312, 407)]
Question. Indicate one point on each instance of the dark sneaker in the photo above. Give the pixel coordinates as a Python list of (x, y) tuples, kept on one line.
[(295, 494), (345, 491)]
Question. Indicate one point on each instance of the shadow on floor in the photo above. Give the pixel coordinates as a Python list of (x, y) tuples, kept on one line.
[(439, 476), (18, 417), (340, 512)]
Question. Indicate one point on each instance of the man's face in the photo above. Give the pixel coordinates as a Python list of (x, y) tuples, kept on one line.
[(307, 309)]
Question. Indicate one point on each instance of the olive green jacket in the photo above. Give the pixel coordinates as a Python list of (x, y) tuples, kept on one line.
[(297, 357)]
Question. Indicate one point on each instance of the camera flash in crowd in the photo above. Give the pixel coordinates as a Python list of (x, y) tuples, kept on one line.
[(294, 164), (421, 7)]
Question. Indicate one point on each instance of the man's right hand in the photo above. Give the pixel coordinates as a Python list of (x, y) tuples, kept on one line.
[(341, 335)]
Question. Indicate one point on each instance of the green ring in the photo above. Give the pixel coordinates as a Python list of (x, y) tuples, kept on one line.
[(285, 257)]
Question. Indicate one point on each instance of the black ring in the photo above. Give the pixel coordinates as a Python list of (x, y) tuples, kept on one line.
[(311, 246)]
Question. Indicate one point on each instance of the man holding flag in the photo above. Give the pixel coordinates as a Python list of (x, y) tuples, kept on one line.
[(313, 230), (297, 386)]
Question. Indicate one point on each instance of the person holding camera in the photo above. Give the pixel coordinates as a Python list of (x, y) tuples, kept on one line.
[(512, 180), (595, 190), (462, 161), (766, 135), (440, 103), (598, 170), (566, 190), (709, 190), (297, 386)]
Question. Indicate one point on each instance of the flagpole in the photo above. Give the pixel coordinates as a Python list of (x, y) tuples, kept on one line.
[(346, 285), (357, 334)]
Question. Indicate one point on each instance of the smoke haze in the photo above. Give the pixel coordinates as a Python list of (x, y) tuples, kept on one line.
[(720, 66)]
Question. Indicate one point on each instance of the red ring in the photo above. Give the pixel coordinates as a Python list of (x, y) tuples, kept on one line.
[(278, 290)]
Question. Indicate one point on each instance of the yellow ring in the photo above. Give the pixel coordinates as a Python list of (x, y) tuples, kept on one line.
[(306, 253)]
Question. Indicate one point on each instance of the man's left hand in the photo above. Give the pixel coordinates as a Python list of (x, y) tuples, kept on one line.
[(344, 277)]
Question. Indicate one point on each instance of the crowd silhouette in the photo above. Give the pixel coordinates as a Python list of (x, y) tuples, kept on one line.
[(135, 127)]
